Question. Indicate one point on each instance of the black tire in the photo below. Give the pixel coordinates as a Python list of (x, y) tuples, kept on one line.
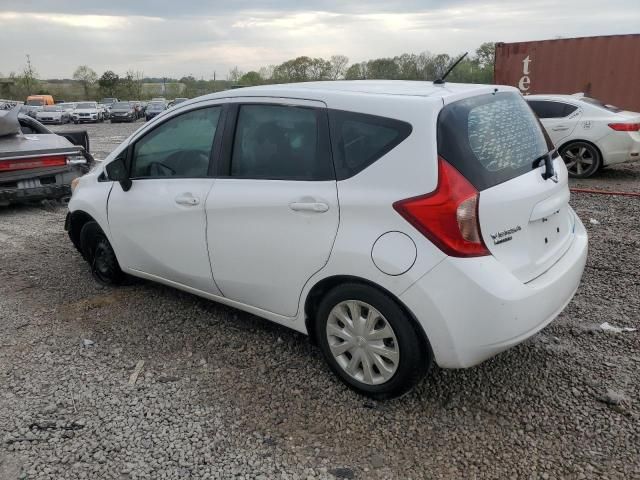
[(415, 357), (99, 254), (582, 159)]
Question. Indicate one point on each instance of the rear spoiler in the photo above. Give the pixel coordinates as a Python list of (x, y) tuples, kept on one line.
[(77, 137)]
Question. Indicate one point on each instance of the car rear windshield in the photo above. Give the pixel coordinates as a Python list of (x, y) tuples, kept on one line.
[(126, 105), (598, 103), (491, 138)]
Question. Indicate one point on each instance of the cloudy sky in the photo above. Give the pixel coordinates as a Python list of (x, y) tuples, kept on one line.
[(198, 37)]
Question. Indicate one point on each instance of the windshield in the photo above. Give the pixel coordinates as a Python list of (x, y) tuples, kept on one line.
[(179, 100), (156, 106), (53, 108), (108, 100), (86, 105), (598, 103), (35, 102), (124, 105), (491, 138)]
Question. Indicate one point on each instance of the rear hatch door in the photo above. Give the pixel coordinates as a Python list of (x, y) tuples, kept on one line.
[(498, 144)]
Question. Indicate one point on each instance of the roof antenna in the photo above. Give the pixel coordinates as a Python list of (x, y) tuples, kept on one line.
[(440, 80)]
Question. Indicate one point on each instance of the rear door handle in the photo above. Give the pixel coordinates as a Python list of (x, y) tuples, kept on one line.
[(317, 207), (560, 128), (187, 199)]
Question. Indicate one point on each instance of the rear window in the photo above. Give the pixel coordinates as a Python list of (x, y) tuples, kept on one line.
[(549, 109), (491, 138), (359, 139), (598, 103)]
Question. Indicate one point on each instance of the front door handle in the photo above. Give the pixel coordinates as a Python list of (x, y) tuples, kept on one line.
[(187, 199), (316, 207)]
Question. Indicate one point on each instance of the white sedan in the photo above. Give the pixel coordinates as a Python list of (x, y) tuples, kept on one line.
[(588, 133)]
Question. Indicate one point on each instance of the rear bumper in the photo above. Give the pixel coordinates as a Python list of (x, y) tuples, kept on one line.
[(18, 195), (473, 309), (43, 185), (620, 147)]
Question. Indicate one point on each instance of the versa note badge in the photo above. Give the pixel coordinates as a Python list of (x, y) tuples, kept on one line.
[(505, 235)]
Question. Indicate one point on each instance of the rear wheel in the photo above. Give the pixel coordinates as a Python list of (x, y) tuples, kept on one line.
[(581, 158), (369, 341), (97, 251)]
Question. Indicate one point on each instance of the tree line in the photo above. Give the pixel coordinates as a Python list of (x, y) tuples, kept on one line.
[(475, 68)]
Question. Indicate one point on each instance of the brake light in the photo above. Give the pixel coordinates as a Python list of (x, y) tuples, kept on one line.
[(447, 216), (625, 127), (36, 162)]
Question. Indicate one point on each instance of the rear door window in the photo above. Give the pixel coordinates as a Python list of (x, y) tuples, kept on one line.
[(491, 138), (548, 109), (359, 140), (280, 142)]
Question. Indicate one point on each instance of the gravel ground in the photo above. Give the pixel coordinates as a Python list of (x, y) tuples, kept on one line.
[(223, 394)]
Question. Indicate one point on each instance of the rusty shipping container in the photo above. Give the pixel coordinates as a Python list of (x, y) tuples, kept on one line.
[(606, 68)]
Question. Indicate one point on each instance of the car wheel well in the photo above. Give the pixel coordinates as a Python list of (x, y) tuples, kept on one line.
[(77, 220), (569, 142), (320, 289)]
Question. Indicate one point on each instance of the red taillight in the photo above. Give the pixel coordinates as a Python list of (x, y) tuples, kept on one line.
[(36, 162), (447, 216), (625, 127)]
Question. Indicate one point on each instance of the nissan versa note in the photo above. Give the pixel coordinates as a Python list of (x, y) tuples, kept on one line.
[(396, 223)]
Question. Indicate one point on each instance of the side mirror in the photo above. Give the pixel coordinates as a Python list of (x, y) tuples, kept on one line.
[(117, 171)]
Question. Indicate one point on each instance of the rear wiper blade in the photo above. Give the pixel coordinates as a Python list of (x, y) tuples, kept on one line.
[(549, 171)]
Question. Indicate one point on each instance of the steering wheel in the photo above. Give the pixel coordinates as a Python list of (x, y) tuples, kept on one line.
[(189, 160), (159, 169)]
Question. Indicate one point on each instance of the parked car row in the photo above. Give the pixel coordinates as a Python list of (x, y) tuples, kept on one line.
[(43, 108)]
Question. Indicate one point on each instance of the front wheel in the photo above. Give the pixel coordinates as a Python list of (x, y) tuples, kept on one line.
[(369, 342), (99, 254), (581, 159)]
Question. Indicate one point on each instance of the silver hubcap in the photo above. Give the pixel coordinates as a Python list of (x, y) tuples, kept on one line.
[(362, 342), (578, 159)]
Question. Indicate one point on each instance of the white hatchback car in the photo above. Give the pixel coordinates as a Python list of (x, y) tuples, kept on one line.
[(397, 223), (588, 133)]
